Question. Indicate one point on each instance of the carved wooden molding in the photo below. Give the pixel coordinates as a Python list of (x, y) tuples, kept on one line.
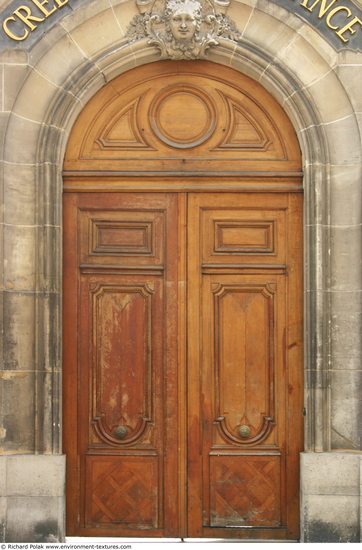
[(251, 426), (200, 119), (117, 419)]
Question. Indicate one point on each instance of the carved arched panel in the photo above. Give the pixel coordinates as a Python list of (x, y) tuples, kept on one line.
[(121, 356), (244, 336), (191, 116)]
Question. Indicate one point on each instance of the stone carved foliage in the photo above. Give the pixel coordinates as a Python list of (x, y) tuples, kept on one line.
[(182, 29)]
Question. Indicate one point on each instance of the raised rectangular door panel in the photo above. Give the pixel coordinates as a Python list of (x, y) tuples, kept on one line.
[(122, 491), (241, 235), (123, 327), (245, 491), (123, 237), (243, 344), (121, 364), (244, 377)]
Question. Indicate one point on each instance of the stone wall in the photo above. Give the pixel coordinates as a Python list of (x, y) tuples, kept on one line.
[(32, 498), (331, 497), (44, 86)]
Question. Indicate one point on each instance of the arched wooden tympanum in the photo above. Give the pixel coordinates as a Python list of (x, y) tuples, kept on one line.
[(169, 117), (182, 308)]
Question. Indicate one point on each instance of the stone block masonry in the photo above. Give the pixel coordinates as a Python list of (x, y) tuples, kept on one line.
[(45, 81)]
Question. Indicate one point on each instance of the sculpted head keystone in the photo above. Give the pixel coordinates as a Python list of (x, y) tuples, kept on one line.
[(184, 18), (182, 29)]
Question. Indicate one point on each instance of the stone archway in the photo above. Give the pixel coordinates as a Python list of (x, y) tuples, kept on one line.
[(298, 75)]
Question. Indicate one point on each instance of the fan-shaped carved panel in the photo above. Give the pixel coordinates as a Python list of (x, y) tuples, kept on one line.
[(194, 116), (244, 131), (123, 132)]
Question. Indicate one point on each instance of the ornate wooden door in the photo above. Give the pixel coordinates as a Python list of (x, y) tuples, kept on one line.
[(182, 309), (243, 365), (121, 355)]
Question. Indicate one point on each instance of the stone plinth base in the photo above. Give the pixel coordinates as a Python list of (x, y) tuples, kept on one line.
[(331, 497), (32, 503)]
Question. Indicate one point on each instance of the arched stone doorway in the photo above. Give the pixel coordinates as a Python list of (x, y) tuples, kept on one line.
[(62, 70), (183, 308)]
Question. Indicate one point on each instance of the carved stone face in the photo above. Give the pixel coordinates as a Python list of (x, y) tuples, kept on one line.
[(183, 23)]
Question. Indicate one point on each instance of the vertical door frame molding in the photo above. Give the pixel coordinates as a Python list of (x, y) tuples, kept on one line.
[(319, 138)]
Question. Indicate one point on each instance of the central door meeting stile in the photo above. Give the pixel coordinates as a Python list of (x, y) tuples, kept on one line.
[(182, 309)]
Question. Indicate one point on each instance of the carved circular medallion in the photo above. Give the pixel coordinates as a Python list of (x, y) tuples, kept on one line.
[(182, 116)]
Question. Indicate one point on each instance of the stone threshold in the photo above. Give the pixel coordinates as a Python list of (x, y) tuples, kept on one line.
[(170, 541)]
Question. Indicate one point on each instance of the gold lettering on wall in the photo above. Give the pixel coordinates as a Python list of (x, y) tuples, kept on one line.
[(30, 18), (45, 11), (25, 15), (10, 33), (24, 19), (323, 6), (332, 13), (351, 27), (326, 13)]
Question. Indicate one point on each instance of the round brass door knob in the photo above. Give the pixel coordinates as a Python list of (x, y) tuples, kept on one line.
[(244, 431), (120, 432)]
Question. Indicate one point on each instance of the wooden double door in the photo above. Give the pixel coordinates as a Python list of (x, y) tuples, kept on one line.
[(182, 363)]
